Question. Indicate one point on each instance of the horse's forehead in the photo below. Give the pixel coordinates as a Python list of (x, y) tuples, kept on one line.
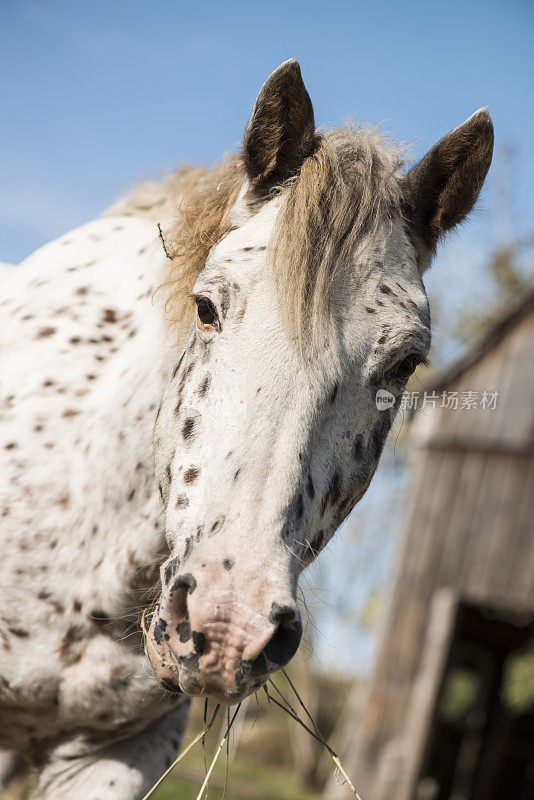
[(241, 254), (248, 229), (390, 256)]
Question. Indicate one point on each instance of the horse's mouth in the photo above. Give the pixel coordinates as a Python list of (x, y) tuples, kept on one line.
[(183, 675), (176, 678)]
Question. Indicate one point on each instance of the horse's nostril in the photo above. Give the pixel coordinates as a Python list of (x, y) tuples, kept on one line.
[(185, 581), (175, 606), (286, 638), (282, 615)]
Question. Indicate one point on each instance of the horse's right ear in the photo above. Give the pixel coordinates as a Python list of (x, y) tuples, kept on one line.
[(281, 130)]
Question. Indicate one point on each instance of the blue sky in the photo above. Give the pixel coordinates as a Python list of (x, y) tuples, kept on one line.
[(98, 95)]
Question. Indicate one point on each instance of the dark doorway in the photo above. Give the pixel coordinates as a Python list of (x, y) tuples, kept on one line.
[(481, 744)]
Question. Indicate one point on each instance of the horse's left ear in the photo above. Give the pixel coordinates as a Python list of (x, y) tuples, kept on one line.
[(443, 187), (281, 130)]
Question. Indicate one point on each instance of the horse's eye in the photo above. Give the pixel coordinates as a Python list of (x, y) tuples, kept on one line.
[(401, 371), (207, 314)]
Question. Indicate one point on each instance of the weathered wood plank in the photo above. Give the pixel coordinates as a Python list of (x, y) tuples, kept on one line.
[(469, 532)]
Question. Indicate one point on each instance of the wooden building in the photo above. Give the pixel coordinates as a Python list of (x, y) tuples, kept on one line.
[(450, 709)]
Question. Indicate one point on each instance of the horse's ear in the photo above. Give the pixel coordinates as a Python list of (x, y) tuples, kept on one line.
[(281, 130), (443, 187)]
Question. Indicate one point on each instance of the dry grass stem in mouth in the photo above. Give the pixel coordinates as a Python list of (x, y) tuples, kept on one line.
[(301, 701), (182, 755), (227, 756), (340, 776), (143, 626), (205, 718), (217, 754), (145, 623), (288, 708)]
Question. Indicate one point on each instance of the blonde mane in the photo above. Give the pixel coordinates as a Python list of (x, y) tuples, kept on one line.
[(341, 194), (339, 198)]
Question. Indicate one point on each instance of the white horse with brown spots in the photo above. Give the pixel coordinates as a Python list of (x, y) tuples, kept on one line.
[(303, 257)]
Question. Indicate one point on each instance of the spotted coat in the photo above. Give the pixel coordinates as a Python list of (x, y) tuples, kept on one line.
[(85, 358)]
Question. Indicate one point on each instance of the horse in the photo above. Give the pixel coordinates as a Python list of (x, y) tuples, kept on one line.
[(188, 411)]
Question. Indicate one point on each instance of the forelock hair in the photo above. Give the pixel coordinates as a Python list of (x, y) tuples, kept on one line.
[(333, 208), (192, 209), (200, 220), (329, 211)]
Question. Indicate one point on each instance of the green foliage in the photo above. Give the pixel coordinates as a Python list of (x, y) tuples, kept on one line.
[(460, 694), (247, 782), (517, 692)]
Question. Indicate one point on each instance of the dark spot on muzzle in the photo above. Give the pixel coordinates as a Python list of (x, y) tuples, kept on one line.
[(170, 569), (185, 581), (199, 642), (190, 662), (183, 629), (158, 633)]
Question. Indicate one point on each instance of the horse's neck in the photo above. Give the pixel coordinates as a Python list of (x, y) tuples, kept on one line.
[(118, 495), (106, 347)]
